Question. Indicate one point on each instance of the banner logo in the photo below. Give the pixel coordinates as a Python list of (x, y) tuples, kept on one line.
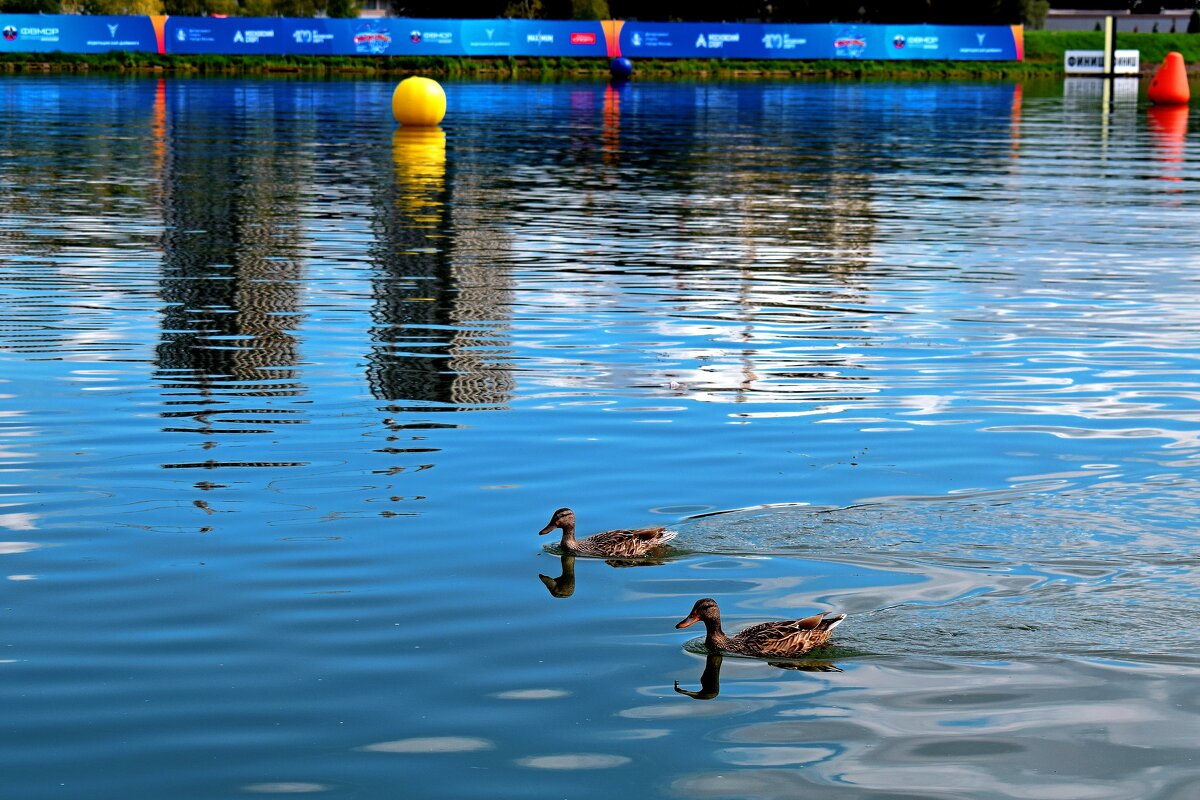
[(849, 44), (10, 32), (372, 39), (714, 41), (311, 36)]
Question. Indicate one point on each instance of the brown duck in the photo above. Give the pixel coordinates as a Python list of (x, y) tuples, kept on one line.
[(610, 544), (785, 639)]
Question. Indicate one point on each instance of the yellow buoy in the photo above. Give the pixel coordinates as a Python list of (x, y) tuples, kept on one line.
[(418, 102)]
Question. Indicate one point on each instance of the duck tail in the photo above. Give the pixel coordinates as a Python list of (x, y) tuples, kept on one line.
[(830, 623)]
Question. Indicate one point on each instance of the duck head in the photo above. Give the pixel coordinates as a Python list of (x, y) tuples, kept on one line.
[(704, 610), (563, 518)]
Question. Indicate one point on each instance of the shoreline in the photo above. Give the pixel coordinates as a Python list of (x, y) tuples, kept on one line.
[(506, 68)]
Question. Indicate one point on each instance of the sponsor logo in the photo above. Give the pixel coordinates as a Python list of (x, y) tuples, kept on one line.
[(654, 39), (10, 32), (583, 38), (927, 43), (981, 49), (431, 37), (849, 44), (195, 35), (782, 41), (714, 41), (112, 40), (540, 38), (311, 37), (474, 35), (252, 37), (371, 39)]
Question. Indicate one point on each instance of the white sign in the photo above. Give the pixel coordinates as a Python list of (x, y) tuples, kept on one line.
[(1091, 62)]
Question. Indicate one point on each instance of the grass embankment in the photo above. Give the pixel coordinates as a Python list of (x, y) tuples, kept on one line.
[(1043, 57), (1048, 47)]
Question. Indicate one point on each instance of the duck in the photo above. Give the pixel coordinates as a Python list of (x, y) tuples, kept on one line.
[(609, 544), (784, 639)]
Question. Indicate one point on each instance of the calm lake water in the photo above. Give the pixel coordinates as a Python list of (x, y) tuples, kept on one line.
[(286, 394)]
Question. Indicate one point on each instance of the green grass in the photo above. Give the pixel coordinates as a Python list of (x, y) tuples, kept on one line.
[(1051, 45), (1043, 57)]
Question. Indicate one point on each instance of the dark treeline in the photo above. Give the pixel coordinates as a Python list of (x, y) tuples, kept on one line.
[(947, 12), (902, 11)]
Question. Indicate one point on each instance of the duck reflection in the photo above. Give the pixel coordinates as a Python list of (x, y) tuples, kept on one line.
[(564, 584), (710, 679)]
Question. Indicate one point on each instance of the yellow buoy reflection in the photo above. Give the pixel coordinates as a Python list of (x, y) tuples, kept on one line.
[(419, 158)]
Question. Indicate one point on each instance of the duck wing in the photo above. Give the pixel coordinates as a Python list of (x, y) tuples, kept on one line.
[(789, 637), (626, 542)]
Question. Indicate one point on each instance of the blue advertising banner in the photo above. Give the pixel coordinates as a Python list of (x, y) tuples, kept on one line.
[(37, 33), (504, 37), (383, 37), (833, 41)]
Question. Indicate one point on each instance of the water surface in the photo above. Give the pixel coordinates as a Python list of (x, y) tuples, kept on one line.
[(286, 394)]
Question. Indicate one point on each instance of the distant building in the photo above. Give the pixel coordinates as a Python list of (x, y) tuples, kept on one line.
[(383, 8), (1069, 19)]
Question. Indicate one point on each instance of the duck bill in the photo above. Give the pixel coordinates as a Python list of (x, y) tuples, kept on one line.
[(683, 623), (547, 529)]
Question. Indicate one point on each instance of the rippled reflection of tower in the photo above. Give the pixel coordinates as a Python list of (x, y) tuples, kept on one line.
[(230, 272), (441, 324)]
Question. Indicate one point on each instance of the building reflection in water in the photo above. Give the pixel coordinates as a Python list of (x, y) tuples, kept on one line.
[(231, 268), (769, 226), (440, 321)]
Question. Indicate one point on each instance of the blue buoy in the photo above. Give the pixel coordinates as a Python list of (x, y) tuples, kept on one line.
[(620, 68)]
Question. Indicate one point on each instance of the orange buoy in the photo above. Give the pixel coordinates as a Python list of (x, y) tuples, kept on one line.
[(1169, 85)]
